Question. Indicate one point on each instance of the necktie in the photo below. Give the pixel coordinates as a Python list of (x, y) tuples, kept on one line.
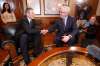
[(30, 23), (65, 21)]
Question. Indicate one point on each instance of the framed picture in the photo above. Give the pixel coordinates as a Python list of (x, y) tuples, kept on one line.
[(51, 7), (35, 4), (10, 2)]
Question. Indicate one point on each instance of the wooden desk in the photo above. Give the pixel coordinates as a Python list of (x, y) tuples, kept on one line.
[(4, 56)]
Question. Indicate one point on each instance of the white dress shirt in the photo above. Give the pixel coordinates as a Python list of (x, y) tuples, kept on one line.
[(29, 20)]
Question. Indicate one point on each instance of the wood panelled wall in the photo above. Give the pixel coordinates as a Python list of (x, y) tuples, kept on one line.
[(93, 4), (98, 9), (20, 6)]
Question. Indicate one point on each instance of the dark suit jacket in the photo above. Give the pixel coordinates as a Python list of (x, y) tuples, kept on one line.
[(23, 26), (70, 28)]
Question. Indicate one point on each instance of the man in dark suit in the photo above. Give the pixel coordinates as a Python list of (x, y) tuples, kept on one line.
[(27, 30), (66, 28)]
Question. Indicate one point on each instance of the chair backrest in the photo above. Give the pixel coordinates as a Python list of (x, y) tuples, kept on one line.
[(10, 29)]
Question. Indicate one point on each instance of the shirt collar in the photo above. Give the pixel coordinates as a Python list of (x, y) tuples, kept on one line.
[(64, 17), (29, 19)]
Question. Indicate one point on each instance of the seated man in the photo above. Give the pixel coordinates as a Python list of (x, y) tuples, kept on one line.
[(66, 28), (90, 31), (27, 30)]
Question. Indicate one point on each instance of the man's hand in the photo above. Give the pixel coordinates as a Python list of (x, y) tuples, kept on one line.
[(44, 31), (65, 38)]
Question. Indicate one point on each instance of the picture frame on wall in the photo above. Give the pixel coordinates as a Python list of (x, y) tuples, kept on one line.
[(35, 4), (51, 7), (11, 3)]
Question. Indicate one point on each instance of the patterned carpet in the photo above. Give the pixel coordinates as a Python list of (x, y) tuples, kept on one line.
[(77, 60)]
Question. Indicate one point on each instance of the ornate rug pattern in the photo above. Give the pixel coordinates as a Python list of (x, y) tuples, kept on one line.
[(61, 60)]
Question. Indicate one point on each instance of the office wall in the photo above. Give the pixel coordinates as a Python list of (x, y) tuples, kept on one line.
[(98, 9)]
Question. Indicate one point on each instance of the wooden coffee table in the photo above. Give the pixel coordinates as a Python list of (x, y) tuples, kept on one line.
[(60, 57)]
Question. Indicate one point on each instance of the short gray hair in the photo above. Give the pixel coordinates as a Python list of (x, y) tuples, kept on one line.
[(67, 8)]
